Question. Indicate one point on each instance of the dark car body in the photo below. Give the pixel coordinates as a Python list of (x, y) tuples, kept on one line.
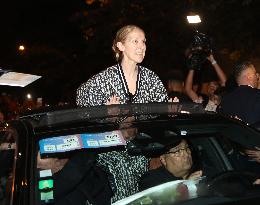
[(218, 140)]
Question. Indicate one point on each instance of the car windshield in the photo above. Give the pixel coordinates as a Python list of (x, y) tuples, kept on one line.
[(91, 157)]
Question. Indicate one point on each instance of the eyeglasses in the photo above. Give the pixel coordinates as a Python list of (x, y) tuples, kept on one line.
[(180, 151)]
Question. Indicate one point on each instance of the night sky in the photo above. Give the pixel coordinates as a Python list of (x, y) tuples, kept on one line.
[(67, 42)]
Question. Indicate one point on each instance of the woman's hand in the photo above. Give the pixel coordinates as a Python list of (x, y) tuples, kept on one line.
[(113, 100), (175, 99), (198, 100)]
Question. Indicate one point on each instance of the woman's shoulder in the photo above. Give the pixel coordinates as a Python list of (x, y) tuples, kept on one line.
[(144, 69), (101, 76), (149, 75), (147, 71), (106, 72)]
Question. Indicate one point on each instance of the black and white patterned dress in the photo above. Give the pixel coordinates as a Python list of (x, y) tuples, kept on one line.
[(126, 170), (98, 89)]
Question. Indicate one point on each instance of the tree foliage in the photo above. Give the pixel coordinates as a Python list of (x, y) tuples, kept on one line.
[(68, 47)]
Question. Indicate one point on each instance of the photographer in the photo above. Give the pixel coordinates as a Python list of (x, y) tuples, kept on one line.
[(199, 57), (208, 89)]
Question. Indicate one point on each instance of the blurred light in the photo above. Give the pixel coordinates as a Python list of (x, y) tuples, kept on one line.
[(193, 19), (21, 48), (29, 96), (89, 2)]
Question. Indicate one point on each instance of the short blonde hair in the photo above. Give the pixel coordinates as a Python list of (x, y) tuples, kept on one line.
[(121, 36)]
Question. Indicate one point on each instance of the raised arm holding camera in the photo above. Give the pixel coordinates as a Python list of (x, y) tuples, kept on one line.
[(208, 88), (199, 57)]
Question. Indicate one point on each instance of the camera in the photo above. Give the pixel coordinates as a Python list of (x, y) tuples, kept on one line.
[(198, 51)]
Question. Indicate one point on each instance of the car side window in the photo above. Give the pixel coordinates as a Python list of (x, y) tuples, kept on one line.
[(238, 157), (207, 156), (8, 138)]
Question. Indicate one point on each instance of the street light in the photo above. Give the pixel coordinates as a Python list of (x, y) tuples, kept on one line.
[(193, 19), (21, 48), (29, 96)]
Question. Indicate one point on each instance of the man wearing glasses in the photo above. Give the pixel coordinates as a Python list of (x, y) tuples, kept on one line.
[(177, 164)]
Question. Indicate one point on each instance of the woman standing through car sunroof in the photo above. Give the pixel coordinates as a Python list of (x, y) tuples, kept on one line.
[(125, 82)]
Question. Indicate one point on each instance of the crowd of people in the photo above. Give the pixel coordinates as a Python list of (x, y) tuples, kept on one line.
[(129, 82)]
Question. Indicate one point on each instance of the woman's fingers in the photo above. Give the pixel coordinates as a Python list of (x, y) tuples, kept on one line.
[(113, 100), (175, 99)]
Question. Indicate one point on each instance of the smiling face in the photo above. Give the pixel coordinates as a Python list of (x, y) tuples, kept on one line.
[(134, 47)]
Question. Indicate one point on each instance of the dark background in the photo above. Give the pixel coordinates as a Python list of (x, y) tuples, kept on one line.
[(66, 42)]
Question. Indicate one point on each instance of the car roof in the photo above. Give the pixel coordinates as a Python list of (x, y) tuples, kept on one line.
[(51, 118), (158, 121)]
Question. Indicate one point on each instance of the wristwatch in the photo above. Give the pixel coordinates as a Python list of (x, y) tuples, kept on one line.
[(213, 62)]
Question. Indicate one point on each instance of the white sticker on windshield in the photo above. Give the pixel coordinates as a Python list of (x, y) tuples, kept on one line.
[(92, 143), (105, 139), (79, 141), (70, 142), (49, 148), (45, 173), (110, 140)]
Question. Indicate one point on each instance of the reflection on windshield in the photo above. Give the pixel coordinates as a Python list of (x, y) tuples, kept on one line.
[(167, 193), (209, 153), (7, 151)]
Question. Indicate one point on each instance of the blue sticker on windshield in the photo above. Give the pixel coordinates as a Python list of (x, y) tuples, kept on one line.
[(80, 141)]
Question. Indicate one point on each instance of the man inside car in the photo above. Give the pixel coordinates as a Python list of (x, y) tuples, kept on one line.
[(177, 164)]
